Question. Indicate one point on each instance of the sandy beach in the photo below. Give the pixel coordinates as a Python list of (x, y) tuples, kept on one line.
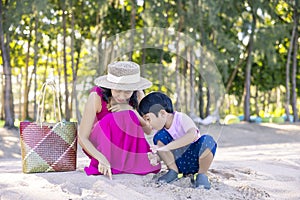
[(253, 161)]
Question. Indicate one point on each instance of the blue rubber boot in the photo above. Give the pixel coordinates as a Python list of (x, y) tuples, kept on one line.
[(169, 177), (202, 181)]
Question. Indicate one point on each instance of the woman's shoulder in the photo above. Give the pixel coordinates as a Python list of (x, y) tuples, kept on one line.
[(95, 95), (96, 99), (97, 90)]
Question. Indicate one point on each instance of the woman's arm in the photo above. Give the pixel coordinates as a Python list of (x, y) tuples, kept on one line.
[(92, 106), (140, 95)]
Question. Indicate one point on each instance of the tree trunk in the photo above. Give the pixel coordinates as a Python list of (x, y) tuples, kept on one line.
[(132, 25), (78, 114), (264, 102), (27, 80), (59, 76), (232, 76), (201, 101), (185, 82), (145, 34), (67, 110), (207, 112), (47, 62), (2, 96), (35, 61), (294, 72), (177, 77), (160, 69), (256, 101), (110, 52), (73, 97), (19, 82), (203, 40), (248, 71), (192, 78), (287, 78), (8, 96)]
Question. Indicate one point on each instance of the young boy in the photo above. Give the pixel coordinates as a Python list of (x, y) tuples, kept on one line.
[(177, 141)]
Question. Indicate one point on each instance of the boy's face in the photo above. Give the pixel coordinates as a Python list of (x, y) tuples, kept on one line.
[(155, 122)]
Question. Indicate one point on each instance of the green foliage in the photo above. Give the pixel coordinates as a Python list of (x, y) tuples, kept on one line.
[(2, 122), (221, 27)]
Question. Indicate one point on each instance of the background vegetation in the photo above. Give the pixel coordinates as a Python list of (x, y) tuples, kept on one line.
[(253, 43)]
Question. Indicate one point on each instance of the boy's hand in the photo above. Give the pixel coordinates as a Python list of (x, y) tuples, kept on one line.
[(163, 148), (155, 148)]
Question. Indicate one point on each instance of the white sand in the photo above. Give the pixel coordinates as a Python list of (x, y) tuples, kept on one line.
[(252, 162)]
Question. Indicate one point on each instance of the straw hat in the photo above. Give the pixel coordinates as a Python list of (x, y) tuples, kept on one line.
[(123, 75)]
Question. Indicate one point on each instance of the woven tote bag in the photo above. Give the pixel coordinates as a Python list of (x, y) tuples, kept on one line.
[(48, 147)]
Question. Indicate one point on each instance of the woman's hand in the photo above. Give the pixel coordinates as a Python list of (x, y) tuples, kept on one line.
[(120, 107), (153, 158), (105, 169)]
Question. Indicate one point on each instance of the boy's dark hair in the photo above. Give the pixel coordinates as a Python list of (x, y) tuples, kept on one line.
[(133, 101), (154, 102)]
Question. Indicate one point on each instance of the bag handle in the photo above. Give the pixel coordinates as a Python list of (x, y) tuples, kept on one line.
[(40, 114)]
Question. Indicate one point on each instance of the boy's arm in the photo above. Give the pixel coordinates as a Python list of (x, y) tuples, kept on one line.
[(192, 134), (188, 138)]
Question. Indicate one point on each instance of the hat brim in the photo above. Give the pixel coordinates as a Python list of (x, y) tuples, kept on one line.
[(141, 85)]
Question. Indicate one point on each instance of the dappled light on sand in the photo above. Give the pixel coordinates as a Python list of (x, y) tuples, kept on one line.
[(10, 145), (253, 161)]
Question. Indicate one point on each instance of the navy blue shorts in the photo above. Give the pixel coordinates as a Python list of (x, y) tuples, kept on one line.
[(187, 157)]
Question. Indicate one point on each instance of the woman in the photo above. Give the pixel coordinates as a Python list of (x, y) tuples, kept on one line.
[(111, 131)]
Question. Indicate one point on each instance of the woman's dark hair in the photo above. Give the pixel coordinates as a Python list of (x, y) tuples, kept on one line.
[(133, 101), (154, 102)]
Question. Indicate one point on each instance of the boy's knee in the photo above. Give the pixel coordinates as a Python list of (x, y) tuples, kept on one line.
[(156, 139), (208, 137), (207, 142), (159, 143), (163, 137)]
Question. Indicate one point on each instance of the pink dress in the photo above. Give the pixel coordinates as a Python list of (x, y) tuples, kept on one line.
[(120, 138)]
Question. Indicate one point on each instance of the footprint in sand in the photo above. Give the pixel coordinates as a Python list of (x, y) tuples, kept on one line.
[(252, 193), (71, 188), (222, 173), (246, 171), (8, 195)]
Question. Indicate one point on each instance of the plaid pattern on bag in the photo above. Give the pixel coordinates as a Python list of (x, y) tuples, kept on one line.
[(48, 147)]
